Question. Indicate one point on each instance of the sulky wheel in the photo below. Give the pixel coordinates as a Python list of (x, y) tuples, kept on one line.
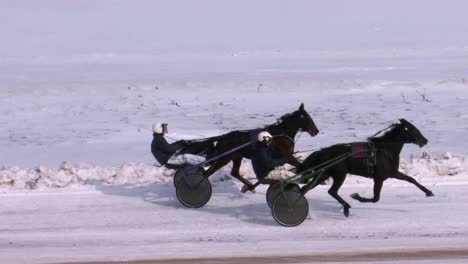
[(275, 189), (290, 208), (187, 170), (293, 187), (193, 191)]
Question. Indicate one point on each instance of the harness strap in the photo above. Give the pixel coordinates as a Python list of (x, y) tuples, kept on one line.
[(226, 153), (380, 131), (372, 160), (286, 136)]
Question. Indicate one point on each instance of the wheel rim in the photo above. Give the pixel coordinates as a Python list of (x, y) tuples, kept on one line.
[(195, 192), (187, 170), (273, 191), (290, 208), (177, 176)]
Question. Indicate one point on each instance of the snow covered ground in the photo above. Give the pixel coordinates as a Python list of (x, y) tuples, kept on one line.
[(50, 117), (147, 222)]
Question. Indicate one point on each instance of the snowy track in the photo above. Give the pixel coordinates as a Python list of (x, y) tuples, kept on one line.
[(147, 222)]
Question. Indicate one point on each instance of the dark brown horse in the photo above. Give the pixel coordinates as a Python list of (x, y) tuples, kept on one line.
[(284, 132), (386, 152)]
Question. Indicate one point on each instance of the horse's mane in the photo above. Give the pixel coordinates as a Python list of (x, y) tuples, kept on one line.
[(280, 120), (287, 115), (390, 133)]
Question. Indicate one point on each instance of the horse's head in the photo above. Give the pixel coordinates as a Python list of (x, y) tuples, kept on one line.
[(411, 134), (304, 121)]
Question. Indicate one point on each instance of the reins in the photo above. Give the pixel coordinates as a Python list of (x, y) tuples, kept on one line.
[(380, 131)]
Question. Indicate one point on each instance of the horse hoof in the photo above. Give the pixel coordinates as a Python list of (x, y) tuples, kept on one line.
[(346, 212), (244, 189), (355, 196), (430, 194)]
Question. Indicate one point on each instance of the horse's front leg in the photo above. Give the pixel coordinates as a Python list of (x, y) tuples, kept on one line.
[(404, 177), (333, 191), (377, 189)]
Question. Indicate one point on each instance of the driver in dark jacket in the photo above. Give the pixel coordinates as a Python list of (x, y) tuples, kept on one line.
[(262, 160), (267, 169), (161, 149)]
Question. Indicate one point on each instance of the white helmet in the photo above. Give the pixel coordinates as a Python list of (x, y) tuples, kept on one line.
[(159, 128), (264, 136)]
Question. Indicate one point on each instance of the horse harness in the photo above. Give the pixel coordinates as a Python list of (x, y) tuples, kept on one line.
[(365, 151)]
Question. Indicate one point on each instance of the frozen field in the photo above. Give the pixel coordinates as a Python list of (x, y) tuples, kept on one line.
[(102, 113)]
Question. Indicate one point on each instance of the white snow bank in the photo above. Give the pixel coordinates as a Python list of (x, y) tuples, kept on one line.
[(73, 175), (434, 164), (68, 175)]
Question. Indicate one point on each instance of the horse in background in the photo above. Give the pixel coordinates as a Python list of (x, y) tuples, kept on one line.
[(283, 131)]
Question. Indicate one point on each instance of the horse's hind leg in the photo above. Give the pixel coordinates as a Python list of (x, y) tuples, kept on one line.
[(404, 177), (218, 165), (333, 191), (377, 189), (236, 164), (223, 162), (314, 182)]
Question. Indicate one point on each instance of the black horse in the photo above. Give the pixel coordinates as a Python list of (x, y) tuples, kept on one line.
[(283, 131), (382, 163)]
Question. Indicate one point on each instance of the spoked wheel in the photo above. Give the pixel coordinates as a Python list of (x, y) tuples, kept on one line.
[(275, 189), (193, 191), (186, 170), (290, 208)]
